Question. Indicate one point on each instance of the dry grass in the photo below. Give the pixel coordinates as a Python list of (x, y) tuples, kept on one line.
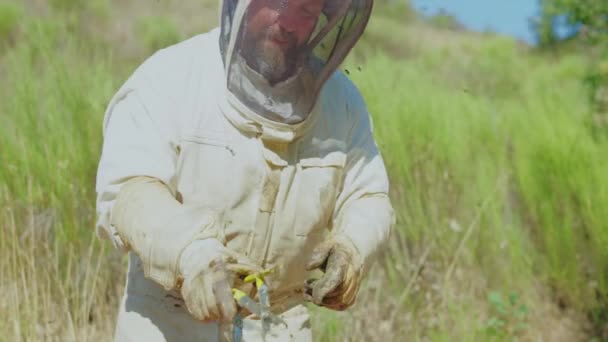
[(430, 305), (52, 291)]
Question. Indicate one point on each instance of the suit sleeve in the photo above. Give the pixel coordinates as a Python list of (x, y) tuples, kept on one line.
[(137, 202), (363, 214)]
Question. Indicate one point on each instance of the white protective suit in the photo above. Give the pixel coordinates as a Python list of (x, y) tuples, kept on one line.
[(278, 190)]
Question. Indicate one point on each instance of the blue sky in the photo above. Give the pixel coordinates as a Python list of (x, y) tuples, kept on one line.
[(510, 17)]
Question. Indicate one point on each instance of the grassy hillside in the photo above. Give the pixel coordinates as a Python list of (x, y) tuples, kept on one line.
[(497, 177)]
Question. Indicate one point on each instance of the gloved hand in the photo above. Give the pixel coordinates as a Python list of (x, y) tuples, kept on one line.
[(207, 270), (337, 289)]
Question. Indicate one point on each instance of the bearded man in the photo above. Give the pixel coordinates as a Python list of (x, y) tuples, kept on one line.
[(237, 151)]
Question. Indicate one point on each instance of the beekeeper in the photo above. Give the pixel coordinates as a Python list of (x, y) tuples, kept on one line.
[(241, 150)]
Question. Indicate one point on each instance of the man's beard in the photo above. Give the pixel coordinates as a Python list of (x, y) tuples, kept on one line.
[(269, 60)]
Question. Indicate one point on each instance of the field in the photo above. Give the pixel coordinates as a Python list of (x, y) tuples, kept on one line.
[(495, 156)]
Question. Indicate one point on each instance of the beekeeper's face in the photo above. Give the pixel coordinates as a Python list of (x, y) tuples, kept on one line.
[(275, 34)]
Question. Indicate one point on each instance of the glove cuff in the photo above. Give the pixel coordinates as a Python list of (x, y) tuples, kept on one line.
[(348, 245), (158, 228), (199, 255)]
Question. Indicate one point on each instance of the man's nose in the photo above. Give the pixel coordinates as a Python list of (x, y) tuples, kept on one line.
[(287, 21)]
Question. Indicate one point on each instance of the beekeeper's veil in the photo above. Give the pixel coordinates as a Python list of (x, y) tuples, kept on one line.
[(278, 53)]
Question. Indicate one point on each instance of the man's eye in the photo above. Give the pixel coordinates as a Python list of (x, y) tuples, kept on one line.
[(308, 14)]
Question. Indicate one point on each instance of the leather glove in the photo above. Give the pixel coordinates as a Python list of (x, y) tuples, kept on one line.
[(207, 272), (337, 289)]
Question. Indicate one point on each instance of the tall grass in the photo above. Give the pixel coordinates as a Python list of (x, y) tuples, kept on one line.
[(499, 187), (499, 190), (10, 15), (57, 281)]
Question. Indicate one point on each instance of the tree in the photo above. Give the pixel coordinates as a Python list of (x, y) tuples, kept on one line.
[(590, 17)]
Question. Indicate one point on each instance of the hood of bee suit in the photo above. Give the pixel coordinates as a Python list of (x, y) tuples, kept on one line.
[(278, 54)]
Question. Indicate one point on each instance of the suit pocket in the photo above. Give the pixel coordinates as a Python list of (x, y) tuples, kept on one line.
[(207, 169)]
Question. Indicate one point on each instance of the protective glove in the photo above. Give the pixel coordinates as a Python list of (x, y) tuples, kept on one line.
[(339, 260), (207, 272)]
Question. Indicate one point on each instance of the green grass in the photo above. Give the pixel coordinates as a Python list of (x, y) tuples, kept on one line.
[(10, 15), (51, 109), (495, 142), (499, 185), (157, 32)]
